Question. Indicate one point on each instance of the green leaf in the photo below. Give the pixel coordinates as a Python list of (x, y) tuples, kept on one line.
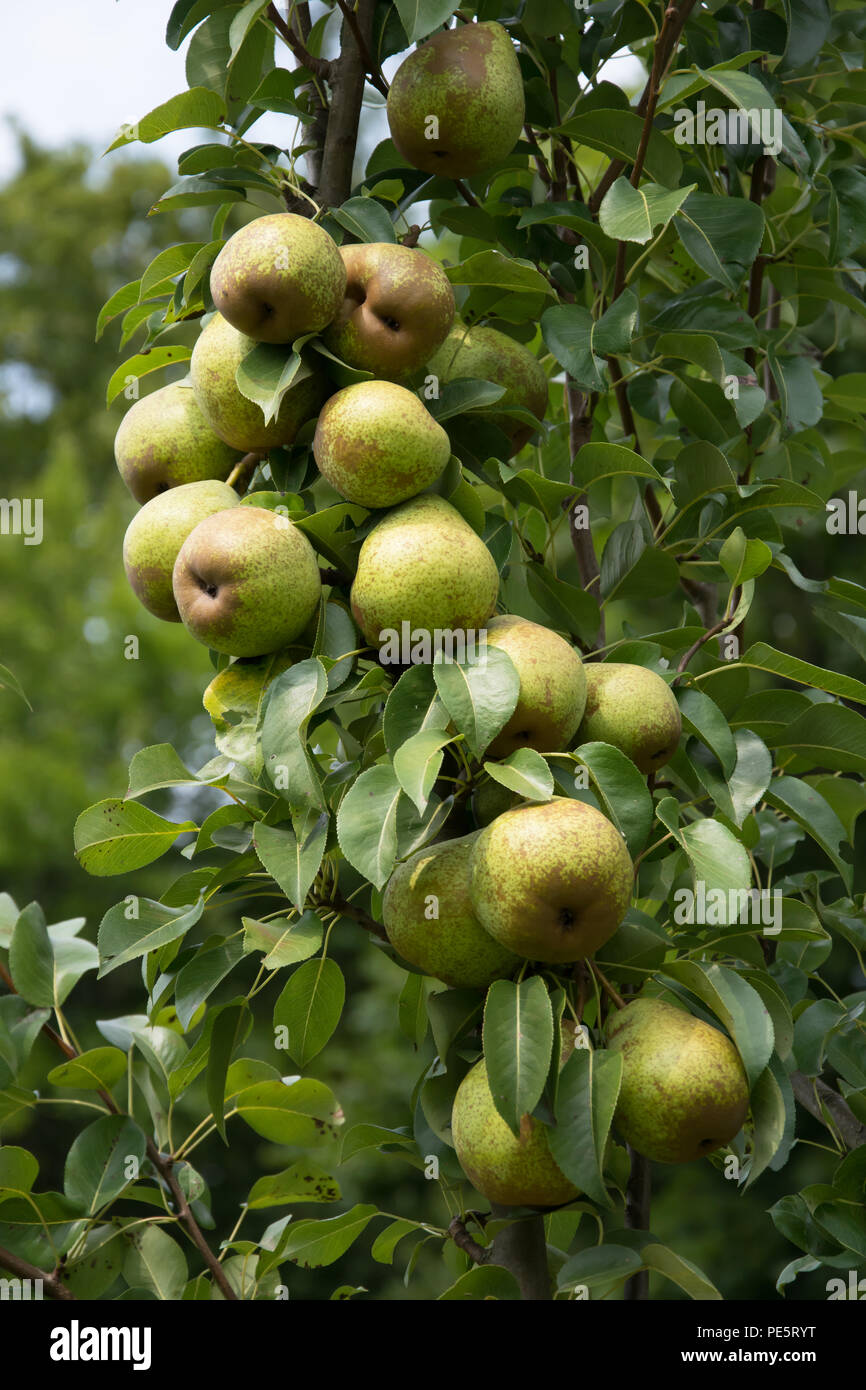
[(827, 736), (198, 108), (200, 977), (722, 235), (130, 373), (155, 1261), (633, 214), (31, 957), (120, 301), (517, 1038), (623, 791), (103, 1160), (493, 270), (285, 942), (365, 219), (290, 701), (586, 1100), (618, 134), (599, 1266), (313, 1244), (309, 1008), (267, 373), (115, 837), (156, 767), (597, 461), (420, 17), (483, 1282), (303, 1114), (702, 717), (751, 775), (480, 696), (580, 344), (524, 772), (719, 863), (367, 823), (680, 1272), (227, 1030), (243, 21), (417, 763), (19, 1170), (458, 397), (743, 559), (164, 268), (386, 1242), (412, 1009), (302, 1182), (293, 862), (768, 1115), (808, 808), (412, 706), (97, 1069), (123, 937)]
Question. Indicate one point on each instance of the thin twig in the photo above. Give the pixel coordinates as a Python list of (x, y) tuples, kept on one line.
[(371, 67), (461, 1237), (244, 469), (606, 985), (53, 1285), (320, 67)]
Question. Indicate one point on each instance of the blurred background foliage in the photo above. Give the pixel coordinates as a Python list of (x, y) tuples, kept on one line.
[(68, 239)]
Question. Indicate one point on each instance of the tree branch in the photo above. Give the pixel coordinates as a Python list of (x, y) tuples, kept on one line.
[(579, 430), (163, 1165), (606, 984), (52, 1282), (320, 67), (479, 1253), (371, 67), (314, 131), (356, 914), (521, 1247), (812, 1094), (347, 80), (638, 1196)]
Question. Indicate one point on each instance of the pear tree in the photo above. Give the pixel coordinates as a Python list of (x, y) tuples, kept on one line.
[(485, 444)]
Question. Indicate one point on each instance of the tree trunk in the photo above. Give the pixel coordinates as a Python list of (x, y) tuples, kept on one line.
[(522, 1249)]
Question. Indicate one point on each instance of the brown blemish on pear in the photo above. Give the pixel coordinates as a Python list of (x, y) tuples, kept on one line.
[(633, 709)]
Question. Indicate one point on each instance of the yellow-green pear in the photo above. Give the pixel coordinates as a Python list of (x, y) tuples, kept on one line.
[(552, 686), (551, 881), (218, 353), (246, 581), (514, 1171), (430, 921), (164, 441), (456, 104), (278, 277), (425, 566), (633, 709), (156, 534), (489, 799), (378, 445), (488, 355), (684, 1092), (398, 308)]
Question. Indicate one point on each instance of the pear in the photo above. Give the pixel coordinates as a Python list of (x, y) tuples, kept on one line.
[(516, 1172), (377, 444), (633, 709), (156, 534), (218, 353), (552, 686), (398, 308), (456, 104), (424, 565), (551, 881), (164, 441), (488, 355), (684, 1092), (246, 581), (490, 799), (430, 922), (278, 277)]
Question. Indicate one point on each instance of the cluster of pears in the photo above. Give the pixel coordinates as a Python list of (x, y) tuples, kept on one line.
[(243, 579)]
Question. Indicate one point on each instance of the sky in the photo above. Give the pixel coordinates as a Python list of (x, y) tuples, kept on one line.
[(79, 69)]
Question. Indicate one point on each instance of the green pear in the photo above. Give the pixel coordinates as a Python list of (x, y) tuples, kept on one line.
[(246, 581), (425, 566), (456, 104), (551, 881), (552, 686), (164, 441), (490, 799), (218, 353), (684, 1092), (398, 308), (430, 922), (377, 444), (488, 355), (156, 534), (278, 277), (513, 1171), (633, 709)]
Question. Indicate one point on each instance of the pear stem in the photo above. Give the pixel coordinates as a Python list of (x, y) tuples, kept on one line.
[(606, 985), (244, 469)]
